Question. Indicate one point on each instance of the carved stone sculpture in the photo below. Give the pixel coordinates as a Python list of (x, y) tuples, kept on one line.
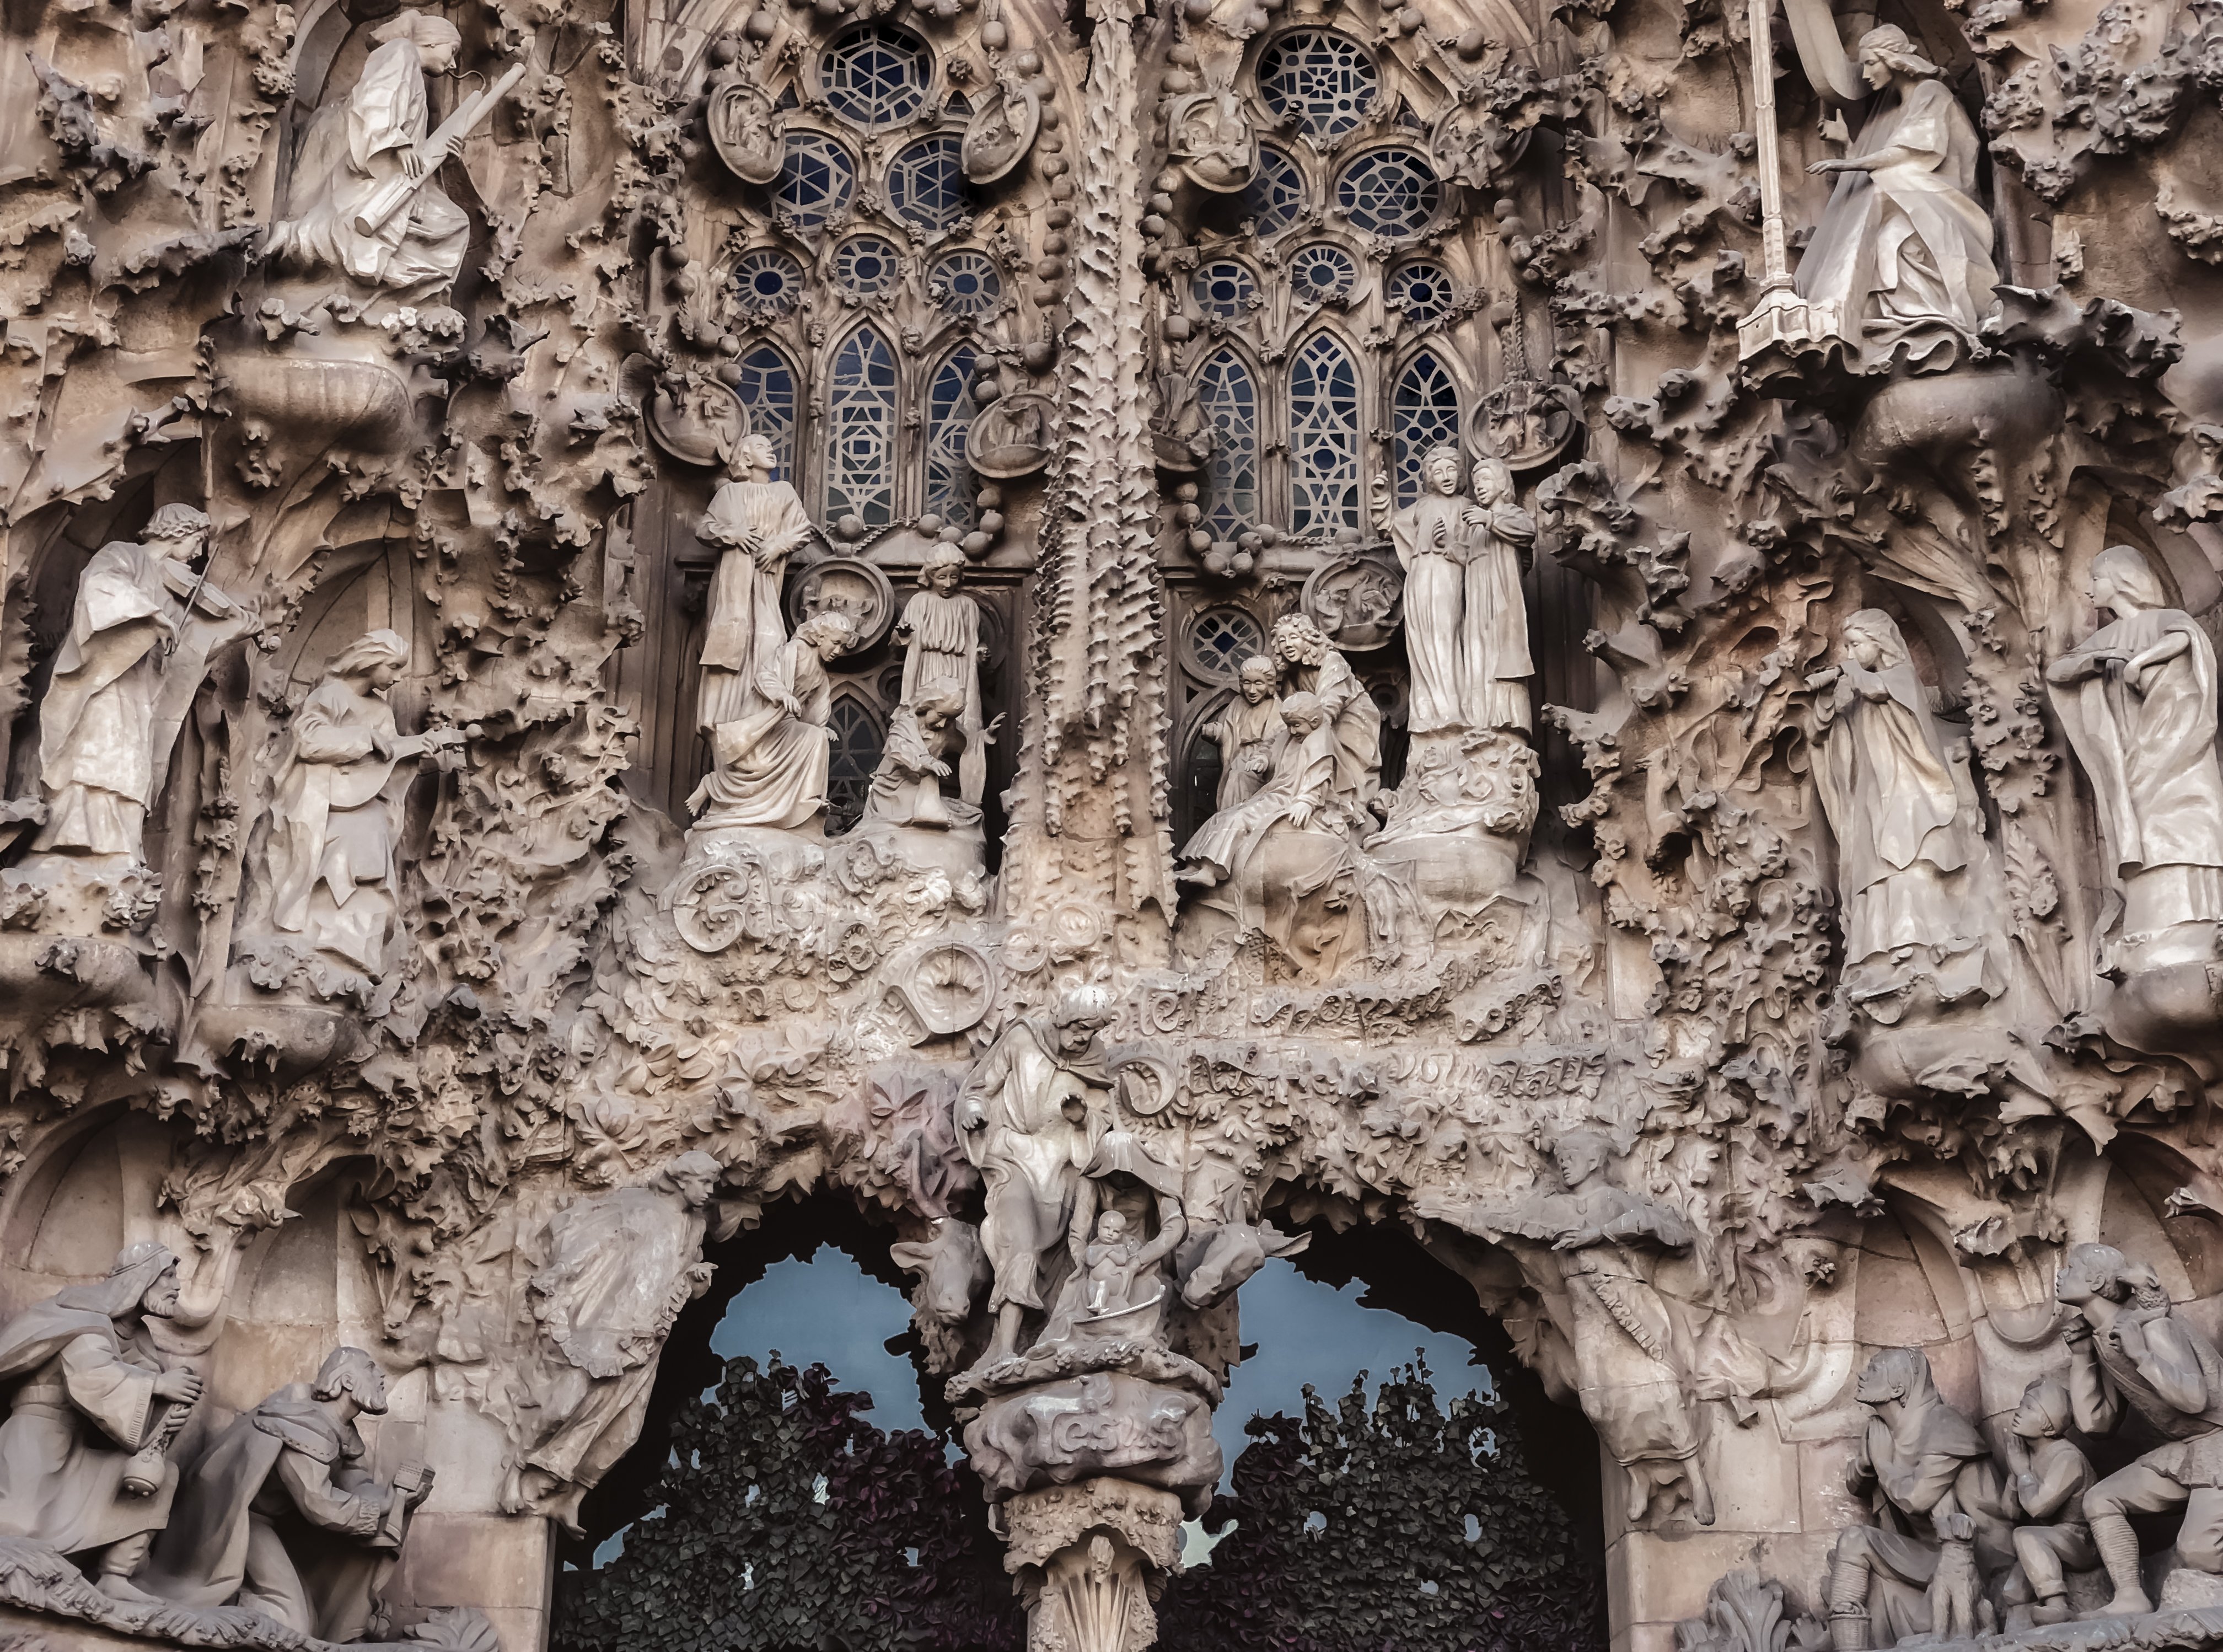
[(2049, 1475), (1905, 832), (1032, 1114), (361, 206), (2137, 698), (620, 1267), (2127, 1350), (280, 1514), (1934, 1492), (83, 1468), (943, 653), (97, 723), (332, 818), (770, 765), (1904, 250), (1300, 786), (1249, 733), (1310, 666)]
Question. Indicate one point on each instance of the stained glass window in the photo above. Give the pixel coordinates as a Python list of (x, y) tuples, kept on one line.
[(1389, 192), (765, 385), (949, 411), (1323, 273), (1426, 415), (1424, 290), (1223, 289), (926, 182), (875, 77), (767, 282), (1227, 397), (1221, 639), (1274, 197), (1322, 81), (1323, 438), (858, 739), (965, 283), (816, 179), (865, 266), (861, 434)]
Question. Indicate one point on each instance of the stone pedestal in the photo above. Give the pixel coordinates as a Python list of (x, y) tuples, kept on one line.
[(1088, 1559)]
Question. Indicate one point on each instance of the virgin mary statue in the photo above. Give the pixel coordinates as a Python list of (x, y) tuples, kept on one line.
[(1904, 249)]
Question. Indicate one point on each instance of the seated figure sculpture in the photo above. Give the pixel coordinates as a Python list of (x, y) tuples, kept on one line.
[(1248, 732), (82, 1463), (771, 765), (1301, 786), (279, 1515), (1939, 1512), (2127, 1349)]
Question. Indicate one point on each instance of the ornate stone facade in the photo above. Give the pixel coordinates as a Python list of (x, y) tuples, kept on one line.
[(1110, 632)]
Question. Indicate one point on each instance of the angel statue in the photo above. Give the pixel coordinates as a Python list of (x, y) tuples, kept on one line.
[(1903, 252)]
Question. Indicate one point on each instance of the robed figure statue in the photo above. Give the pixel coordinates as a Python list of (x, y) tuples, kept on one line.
[(346, 211), (1904, 249)]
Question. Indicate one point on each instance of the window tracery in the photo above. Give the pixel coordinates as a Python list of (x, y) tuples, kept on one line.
[(1323, 438), (874, 76), (860, 431)]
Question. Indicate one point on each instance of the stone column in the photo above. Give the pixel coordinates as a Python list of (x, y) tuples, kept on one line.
[(1089, 1560)]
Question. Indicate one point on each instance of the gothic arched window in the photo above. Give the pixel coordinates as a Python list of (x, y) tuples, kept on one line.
[(766, 384), (858, 739), (1323, 438), (1425, 413), (949, 411), (860, 433), (1227, 397)]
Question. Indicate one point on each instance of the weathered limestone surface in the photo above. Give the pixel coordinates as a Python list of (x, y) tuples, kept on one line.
[(1589, 629)]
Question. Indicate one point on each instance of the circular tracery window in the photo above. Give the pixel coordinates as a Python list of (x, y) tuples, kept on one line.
[(1424, 292), (1219, 639), (865, 266), (816, 179), (1389, 192), (1321, 80), (1224, 289), (967, 283), (767, 282), (1274, 199), (926, 182), (874, 76), (1323, 273)]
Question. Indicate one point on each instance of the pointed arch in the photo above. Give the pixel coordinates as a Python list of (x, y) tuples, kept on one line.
[(1324, 437), (1227, 398), (1424, 413), (950, 409), (766, 382), (858, 476)]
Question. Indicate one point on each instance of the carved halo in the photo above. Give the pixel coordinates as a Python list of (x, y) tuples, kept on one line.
[(746, 130), (851, 584), (702, 425), (1358, 600), (1001, 132), (1011, 436)]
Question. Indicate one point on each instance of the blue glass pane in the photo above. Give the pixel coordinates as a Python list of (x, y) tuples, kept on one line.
[(1228, 398), (767, 282), (1274, 197), (766, 387), (926, 183), (967, 283), (1323, 274), (816, 180), (950, 412), (875, 77), (1389, 192), (1223, 290), (1325, 82), (860, 430), (1424, 292), (857, 742), (1426, 415), (865, 266), (1323, 438)]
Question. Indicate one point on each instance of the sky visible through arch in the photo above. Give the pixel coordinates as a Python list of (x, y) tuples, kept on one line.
[(827, 1310)]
